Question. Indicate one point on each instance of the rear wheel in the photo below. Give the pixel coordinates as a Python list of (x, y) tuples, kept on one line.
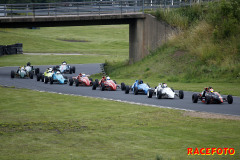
[(230, 99), (181, 94), (127, 89), (73, 69), (194, 98), (77, 83), (70, 82), (51, 80), (135, 90), (123, 86), (31, 75), (159, 94), (45, 79), (12, 74), (150, 93), (37, 71), (94, 86), (38, 77), (97, 83)]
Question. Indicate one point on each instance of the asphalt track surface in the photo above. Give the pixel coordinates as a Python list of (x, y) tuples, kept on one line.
[(184, 104)]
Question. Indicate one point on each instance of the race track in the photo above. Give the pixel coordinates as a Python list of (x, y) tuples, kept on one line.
[(185, 104)]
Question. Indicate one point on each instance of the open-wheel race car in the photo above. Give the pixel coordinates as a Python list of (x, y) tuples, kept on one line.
[(163, 91), (56, 77), (81, 80), (209, 96), (65, 68), (22, 73), (44, 77), (137, 87), (106, 84)]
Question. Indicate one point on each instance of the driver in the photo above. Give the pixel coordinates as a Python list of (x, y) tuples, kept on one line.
[(211, 89), (103, 79), (164, 85), (83, 75), (108, 78), (64, 63), (58, 72), (28, 64), (50, 70), (140, 81)]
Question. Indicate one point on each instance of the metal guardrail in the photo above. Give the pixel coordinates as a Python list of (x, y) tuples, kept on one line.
[(89, 7)]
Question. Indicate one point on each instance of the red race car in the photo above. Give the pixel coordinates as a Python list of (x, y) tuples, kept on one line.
[(81, 80), (209, 96), (106, 84)]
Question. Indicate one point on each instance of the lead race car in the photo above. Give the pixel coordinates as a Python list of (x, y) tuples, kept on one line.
[(65, 68), (163, 91), (81, 80), (209, 96), (106, 84), (137, 87)]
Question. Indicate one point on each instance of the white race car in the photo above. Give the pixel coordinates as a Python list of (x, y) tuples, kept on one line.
[(163, 91)]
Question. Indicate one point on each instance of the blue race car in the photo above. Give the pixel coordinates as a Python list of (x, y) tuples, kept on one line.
[(56, 77), (65, 68), (138, 87)]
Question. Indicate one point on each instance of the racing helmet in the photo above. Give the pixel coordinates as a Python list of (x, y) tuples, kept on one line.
[(164, 85), (50, 70), (84, 75), (64, 62), (108, 78), (140, 81), (28, 64), (211, 90), (22, 68), (58, 72)]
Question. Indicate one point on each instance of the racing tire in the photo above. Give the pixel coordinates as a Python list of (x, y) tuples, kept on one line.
[(194, 98), (12, 74), (97, 83), (229, 99), (65, 77), (70, 82), (94, 86), (127, 90), (123, 86), (102, 87), (38, 77), (73, 69), (51, 80), (77, 83), (181, 94), (208, 100), (90, 79), (135, 91), (70, 71), (37, 70), (149, 93), (159, 94), (31, 75), (45, 79)]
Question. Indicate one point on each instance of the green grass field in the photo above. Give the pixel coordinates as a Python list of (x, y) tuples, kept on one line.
[(38, 125)]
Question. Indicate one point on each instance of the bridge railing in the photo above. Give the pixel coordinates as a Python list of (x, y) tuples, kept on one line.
[(88, 7)]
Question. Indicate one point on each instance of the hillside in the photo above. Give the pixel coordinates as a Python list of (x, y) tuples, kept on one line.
[(206, 50)]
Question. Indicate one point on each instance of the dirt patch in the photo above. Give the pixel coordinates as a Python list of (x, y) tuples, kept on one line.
[(210, 115), (72, 40)]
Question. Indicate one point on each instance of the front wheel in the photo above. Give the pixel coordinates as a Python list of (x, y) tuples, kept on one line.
[(73, 69), (12, 74), (102, 87), (77, 83), (123, 86), (150, 93), (45, 79), (94, 86), (159, 94), (194, 98), (181, 94), (70, 82), (230, 99), (127, 90), (135, 90), (31, 75)]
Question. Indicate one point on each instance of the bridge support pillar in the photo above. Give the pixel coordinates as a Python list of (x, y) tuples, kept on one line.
[(146, 35)]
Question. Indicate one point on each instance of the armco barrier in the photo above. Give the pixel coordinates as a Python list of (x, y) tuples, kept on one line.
[(11, 49)]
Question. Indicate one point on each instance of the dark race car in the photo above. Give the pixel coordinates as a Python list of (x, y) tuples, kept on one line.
[(209, 96)]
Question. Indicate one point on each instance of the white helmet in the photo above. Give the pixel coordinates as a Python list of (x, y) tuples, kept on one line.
[(164, 85), (50, 70), (108, 78), (57, 72), (83, 75)]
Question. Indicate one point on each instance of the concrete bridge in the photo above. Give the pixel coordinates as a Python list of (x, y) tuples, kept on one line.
[(145, 32)]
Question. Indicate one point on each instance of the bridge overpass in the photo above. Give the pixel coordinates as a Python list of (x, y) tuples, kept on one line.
[(145, 32)]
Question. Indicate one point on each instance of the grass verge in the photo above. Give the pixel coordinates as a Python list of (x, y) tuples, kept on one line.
[(73, 127)]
